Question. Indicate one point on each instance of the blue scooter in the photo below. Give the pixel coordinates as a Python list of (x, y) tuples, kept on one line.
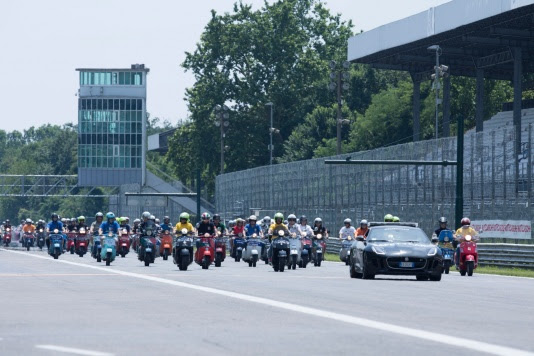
[(56, 244), (445, 243), (239, 245), (108, 251)]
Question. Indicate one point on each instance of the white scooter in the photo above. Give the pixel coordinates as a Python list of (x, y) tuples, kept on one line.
[(251, 253)]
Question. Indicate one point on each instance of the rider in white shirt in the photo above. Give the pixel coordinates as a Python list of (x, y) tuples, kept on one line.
[(303, 227), (347, 230)]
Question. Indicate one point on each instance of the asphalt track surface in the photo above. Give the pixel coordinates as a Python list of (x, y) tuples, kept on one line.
[(77, 306)]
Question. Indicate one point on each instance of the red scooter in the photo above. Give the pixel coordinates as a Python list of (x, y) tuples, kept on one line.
[(82, 242), (165, 247), (468, 260), (205, 253), (7, 237), (123, 245), (71, 245)]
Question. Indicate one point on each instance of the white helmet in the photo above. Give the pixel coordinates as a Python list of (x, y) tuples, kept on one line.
[(349, 221), (318, 220), (364, 222), (252, 217), (291, 216), (267, 219)]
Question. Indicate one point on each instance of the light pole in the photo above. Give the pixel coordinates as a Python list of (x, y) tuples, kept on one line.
[(272, 130), (339, 81), (222, 114), (440, 71)]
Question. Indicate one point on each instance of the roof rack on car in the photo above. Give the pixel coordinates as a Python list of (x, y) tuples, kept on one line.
[(378, 223)]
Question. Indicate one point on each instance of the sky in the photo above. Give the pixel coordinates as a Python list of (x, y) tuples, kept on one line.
[(43, 42)]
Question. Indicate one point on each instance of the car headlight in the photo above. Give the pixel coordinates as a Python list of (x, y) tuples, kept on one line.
[(378, 250), (432, 251)]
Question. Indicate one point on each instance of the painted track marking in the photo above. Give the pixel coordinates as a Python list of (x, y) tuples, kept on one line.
[(459, 342), (71, 350)]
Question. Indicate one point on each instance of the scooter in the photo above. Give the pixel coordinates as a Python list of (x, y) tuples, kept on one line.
[(307, 249), (319, 246), (71, 245), (445, 243), (265, 250), (183, 252), (109, 248), (295, 251), (468, 258), (279, 251), (82, 242), (239, 246), (123, 243), (165, 248), (56, 244), (7, 237), (27, 240), (252, 250), (344, 252), (220, 250), (147, 248), (204, 254), (40, 239)]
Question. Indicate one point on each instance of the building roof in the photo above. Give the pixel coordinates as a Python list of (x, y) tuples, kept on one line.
[(133, 68), (472, 34)]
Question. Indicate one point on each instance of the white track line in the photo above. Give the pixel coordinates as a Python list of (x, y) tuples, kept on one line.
[(71, 350), (459, 342)]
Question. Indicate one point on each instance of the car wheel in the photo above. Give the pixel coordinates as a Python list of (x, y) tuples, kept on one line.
[(435, 278)]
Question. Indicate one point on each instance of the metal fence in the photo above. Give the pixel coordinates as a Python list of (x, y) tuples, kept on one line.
[(497, 183)]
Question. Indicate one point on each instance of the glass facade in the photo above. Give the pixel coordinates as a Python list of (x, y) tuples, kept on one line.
[(111, 78), (110, 133)]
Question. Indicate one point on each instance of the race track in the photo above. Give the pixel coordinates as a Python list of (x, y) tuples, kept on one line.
[(78, 306)]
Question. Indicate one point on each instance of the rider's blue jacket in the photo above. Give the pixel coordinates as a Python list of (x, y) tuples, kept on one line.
[(106, 227), (250, 230), (52, 225)]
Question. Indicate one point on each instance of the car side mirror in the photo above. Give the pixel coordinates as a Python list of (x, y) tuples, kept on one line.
[(360, 238)]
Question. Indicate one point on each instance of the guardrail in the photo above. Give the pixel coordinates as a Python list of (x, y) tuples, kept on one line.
[(494, 254)]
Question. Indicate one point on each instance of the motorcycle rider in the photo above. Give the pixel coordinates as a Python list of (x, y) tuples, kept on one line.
[(219, 225), (55, 224), (442, 226), (7, 225), (292, 224), (318, 227), (462, 232), (135, 227), (146, 223), (81, 223), (205, 226), (71, 227), (166, 226), (277, 226), (124, 224), (347, 230), (28, 226), (184, 224), (110, 225), (265, 223), (252, 227), (363, 230), (239, 228), (303, 227), (41, 225)]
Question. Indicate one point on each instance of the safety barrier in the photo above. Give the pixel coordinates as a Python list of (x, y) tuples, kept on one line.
[(501, 255)]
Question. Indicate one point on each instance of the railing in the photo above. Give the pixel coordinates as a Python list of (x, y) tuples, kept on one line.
[(500, 255)]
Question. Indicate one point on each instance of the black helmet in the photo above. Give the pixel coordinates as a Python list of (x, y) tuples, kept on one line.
[(166, 219), (216, 216), (303, 218), (54, 215)]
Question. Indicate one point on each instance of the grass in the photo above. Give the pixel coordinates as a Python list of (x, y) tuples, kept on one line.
[(502, 271)]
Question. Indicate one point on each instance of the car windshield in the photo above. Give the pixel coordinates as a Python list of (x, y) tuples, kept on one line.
[(397, 234)]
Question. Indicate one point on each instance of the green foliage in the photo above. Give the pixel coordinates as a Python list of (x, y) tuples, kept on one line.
[(46, 150)]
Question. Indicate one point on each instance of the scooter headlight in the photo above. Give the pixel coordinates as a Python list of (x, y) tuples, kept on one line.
[(56, 231), (319, 236), (281, 233), (468, 238), (184, 231)]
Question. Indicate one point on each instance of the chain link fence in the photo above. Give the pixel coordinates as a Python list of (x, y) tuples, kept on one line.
[(497, 183)]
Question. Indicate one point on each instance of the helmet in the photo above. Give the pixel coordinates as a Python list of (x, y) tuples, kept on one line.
[(388, 218), (166, 219), (465, 222), (81, 218), (28, 221), (145, 215), (99, 214), (137, 221), (205, 216), (267, 219), (216, 217), (63, 220), (303, 218), (290, 217), (442, 220), (396, 219), (286, 222), (184, 216), (278, 216), (231, 223), (54, 215), (110, 215), (239, 220), (252, 218), (73, 220), (126, 219), (347, 221), (364, 222), (153, 218), (157, 221), (318, 220)]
